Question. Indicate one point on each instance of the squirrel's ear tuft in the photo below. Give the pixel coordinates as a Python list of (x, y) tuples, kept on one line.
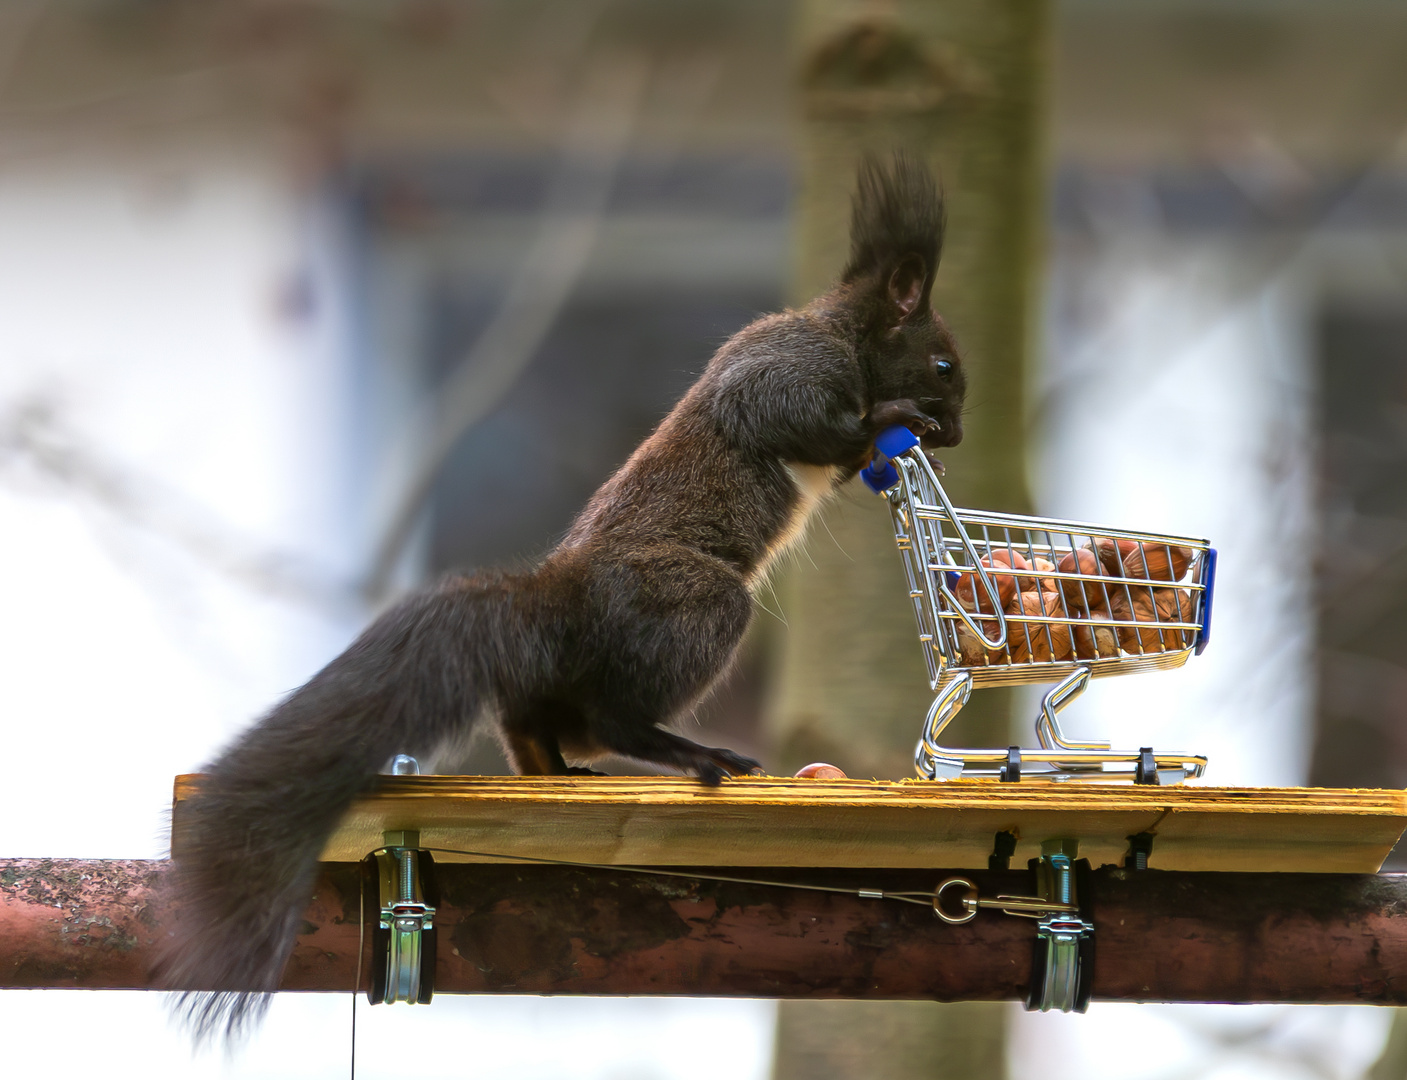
[(896, 230), (908, 286)]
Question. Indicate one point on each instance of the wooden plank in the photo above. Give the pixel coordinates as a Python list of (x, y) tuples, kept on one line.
[(770, 821)]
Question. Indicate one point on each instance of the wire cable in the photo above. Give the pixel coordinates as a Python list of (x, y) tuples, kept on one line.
[(924, 899), (361, 948)]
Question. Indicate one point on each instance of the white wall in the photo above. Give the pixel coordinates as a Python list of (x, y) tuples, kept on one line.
[(167, 428)]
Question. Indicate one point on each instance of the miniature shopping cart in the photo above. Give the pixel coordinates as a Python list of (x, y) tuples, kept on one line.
[(1004, 600)]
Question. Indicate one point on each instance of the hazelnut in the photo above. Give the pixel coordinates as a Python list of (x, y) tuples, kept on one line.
[(1167, 606), (1080, 596), (1112, 553), (1161, 562), (819, 770), (973, 597), (1040, 642), (1096, 641)]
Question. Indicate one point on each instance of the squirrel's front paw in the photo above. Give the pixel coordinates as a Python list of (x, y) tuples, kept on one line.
[(721, 763), (903, 411)]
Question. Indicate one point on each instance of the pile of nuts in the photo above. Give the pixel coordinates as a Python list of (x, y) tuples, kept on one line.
[(1110, 609)]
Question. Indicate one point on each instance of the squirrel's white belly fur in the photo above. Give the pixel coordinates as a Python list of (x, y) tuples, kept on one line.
[(814, 484)]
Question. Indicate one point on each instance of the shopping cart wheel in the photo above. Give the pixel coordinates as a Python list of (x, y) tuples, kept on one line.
[(1146, 771)]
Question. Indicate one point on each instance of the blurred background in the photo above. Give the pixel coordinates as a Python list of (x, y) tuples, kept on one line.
[(303, 302)]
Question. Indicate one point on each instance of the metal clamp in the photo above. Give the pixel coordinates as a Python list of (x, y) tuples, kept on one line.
[(1062, 966), (404, 938)]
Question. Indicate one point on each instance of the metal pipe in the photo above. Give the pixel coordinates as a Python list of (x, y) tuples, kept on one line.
[(1162, 936)]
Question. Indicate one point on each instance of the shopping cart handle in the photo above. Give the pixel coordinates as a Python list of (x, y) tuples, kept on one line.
[(879, 476)]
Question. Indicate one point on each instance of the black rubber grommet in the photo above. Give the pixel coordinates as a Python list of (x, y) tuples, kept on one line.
[(1011, 771), (1140, 848), (1146, 771), (1003, 848)]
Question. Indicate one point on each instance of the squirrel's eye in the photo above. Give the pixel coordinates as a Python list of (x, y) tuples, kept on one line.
[(944, 368)]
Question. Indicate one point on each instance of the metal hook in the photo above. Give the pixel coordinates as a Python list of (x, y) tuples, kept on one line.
[(1031, 907)]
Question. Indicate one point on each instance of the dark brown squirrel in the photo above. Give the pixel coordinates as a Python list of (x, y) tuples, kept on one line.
[(623, 626)]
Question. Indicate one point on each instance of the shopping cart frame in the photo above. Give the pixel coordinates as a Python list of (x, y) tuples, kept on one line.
[(937, 548)]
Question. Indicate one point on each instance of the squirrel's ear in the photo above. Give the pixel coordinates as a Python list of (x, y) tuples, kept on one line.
[(907, 286)]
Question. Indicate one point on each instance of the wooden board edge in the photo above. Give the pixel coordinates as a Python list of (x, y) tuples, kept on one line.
[(956, 794)]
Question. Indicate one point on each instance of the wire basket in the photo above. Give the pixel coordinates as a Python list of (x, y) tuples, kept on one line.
[(1008, 599)]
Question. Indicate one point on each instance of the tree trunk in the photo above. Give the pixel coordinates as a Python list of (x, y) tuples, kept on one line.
[(959, 83), (962, 84)]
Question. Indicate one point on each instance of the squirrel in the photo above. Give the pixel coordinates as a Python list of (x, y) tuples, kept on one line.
[(620, 628)]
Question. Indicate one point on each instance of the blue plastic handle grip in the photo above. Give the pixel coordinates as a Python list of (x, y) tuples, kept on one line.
[(893, 441), (1209, 579), (879, 476)]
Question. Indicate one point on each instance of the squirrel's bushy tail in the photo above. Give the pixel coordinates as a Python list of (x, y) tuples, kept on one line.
[(897, 210), (245, 864)]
